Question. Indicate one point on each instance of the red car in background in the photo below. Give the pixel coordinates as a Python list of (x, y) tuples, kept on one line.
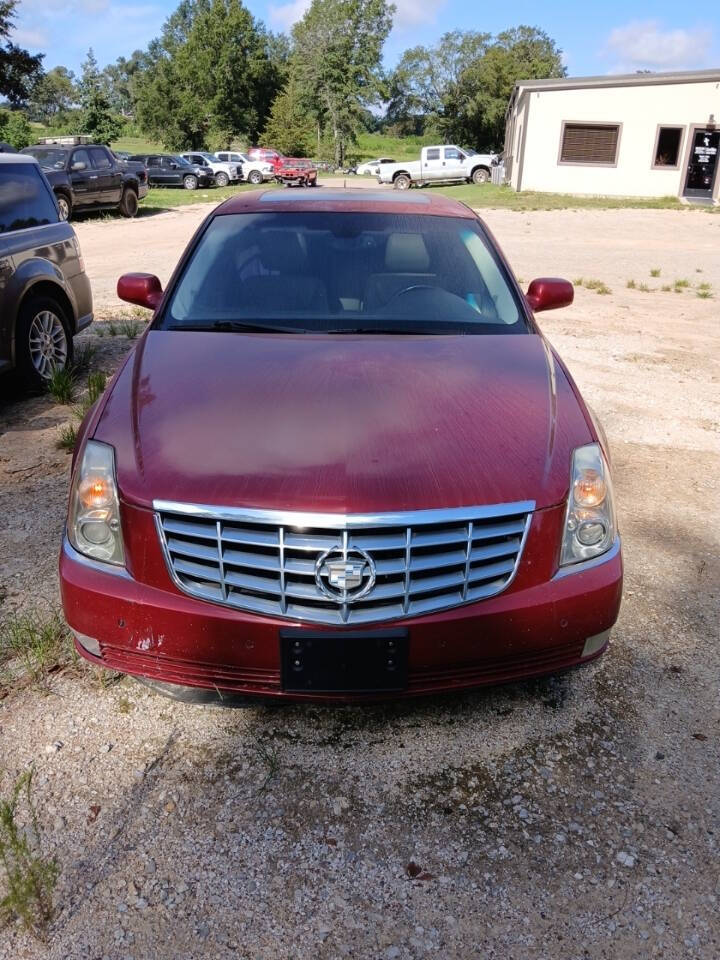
[(343, 462), (301, 173)]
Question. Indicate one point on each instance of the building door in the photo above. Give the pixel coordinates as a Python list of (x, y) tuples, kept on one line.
[(703, 164)]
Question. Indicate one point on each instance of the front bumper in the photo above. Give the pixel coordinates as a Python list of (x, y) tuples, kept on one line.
[(154, 631)]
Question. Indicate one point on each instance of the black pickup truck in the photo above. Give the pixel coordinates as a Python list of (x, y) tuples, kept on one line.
[(90, 177)]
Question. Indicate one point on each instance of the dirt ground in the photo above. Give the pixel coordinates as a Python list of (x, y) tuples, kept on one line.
[(573, 817)]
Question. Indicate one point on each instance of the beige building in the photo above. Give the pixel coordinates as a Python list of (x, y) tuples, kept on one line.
[(640, 135)]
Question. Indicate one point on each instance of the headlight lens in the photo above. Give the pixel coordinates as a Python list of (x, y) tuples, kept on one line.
[(590, 517), (94, 515)]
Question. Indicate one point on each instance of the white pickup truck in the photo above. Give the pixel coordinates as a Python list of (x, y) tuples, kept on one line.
[(441, 164)]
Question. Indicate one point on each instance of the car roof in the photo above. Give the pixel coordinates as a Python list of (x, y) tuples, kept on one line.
[(350, 201), (17, 158)]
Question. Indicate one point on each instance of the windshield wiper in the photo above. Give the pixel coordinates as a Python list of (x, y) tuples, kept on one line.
[(410, 331), (235, 326)]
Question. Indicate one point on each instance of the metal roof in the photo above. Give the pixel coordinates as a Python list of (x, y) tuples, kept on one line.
[(17, 158), (350, 201), (621, 80)]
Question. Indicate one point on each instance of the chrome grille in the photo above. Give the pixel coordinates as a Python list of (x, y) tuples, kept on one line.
[(264, 561)]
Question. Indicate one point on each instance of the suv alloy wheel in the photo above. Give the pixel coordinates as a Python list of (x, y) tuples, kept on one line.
[(44, 343)]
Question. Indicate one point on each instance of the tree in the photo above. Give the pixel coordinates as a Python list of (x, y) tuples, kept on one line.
[(484, 87), (336, 61), (19, 70), (120, 81), (424, 84), (53, 95), (211, 78), (15, 129), (290, 128), (97, 119)]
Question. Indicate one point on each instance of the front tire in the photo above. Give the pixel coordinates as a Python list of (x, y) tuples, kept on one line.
[(190, 182), (480, 175), (129, 203), (222, 179), (65, 205), (402, 182), (44, 342), (255, 178)]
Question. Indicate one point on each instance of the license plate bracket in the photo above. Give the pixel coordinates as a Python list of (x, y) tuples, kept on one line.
[(356, 661)]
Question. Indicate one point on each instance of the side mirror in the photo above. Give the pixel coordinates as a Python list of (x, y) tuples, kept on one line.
[(142, 289), (549, 293), (78, 165)]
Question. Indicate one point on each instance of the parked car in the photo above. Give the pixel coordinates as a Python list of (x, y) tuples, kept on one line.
[(267, 155), (225, 172), (170, 170), (45, 296), (372, 166), (414, 499), (89, 177), (301, 173), (442, 164), (254, 171)]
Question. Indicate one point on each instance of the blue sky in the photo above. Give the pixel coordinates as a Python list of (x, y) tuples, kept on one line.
[(606, 38)]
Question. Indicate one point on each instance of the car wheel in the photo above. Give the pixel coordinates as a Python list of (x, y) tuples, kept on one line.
[(402, 182), (222, 179), (190, 182), (44, 343), (65, 205), (480, 175), (255, 178), (129, 203)]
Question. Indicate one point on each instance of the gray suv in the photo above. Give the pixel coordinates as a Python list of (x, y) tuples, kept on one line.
[(45, 296)]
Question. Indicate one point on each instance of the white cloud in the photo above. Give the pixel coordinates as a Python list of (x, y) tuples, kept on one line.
[(411, 13), (644, 44), (27, 37), (286, 15), (408, 13)]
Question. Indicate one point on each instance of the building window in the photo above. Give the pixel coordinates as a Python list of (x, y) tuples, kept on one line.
[(592, 143), (667, 147)]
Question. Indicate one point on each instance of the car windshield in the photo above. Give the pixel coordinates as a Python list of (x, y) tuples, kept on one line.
[(341, 272), (49, 159)]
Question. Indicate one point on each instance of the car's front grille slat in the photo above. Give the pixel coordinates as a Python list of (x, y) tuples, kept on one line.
[(273, 563)]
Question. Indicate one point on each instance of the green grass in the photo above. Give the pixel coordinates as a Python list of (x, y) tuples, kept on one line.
[(631, 285), (27, 878), (31, 645), (61, 385), (160, 198), (655, 272), (67, 438), (599, 286)]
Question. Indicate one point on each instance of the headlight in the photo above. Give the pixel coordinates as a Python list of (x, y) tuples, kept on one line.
[(590, 517), (94, 515)]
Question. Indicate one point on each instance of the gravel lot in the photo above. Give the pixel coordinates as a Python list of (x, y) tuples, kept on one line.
[(572, 817)]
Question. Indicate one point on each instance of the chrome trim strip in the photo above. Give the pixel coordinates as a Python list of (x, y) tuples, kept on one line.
[(98, 565), (289, 518), (584, 565)]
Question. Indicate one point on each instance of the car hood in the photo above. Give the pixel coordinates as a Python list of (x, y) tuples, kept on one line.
[(342, 423)]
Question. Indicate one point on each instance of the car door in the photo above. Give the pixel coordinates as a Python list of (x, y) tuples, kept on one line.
[(109, 176), (84, 179), (453, 164), (155, 172), (433, 166), (173, 172)]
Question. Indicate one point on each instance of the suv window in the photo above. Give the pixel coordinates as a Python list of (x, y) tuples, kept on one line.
[(100, 159), (433, 154), (80, 156), (154, 161), (25, 200)]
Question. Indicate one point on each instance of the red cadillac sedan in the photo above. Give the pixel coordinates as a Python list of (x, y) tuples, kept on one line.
[(343, 462)]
